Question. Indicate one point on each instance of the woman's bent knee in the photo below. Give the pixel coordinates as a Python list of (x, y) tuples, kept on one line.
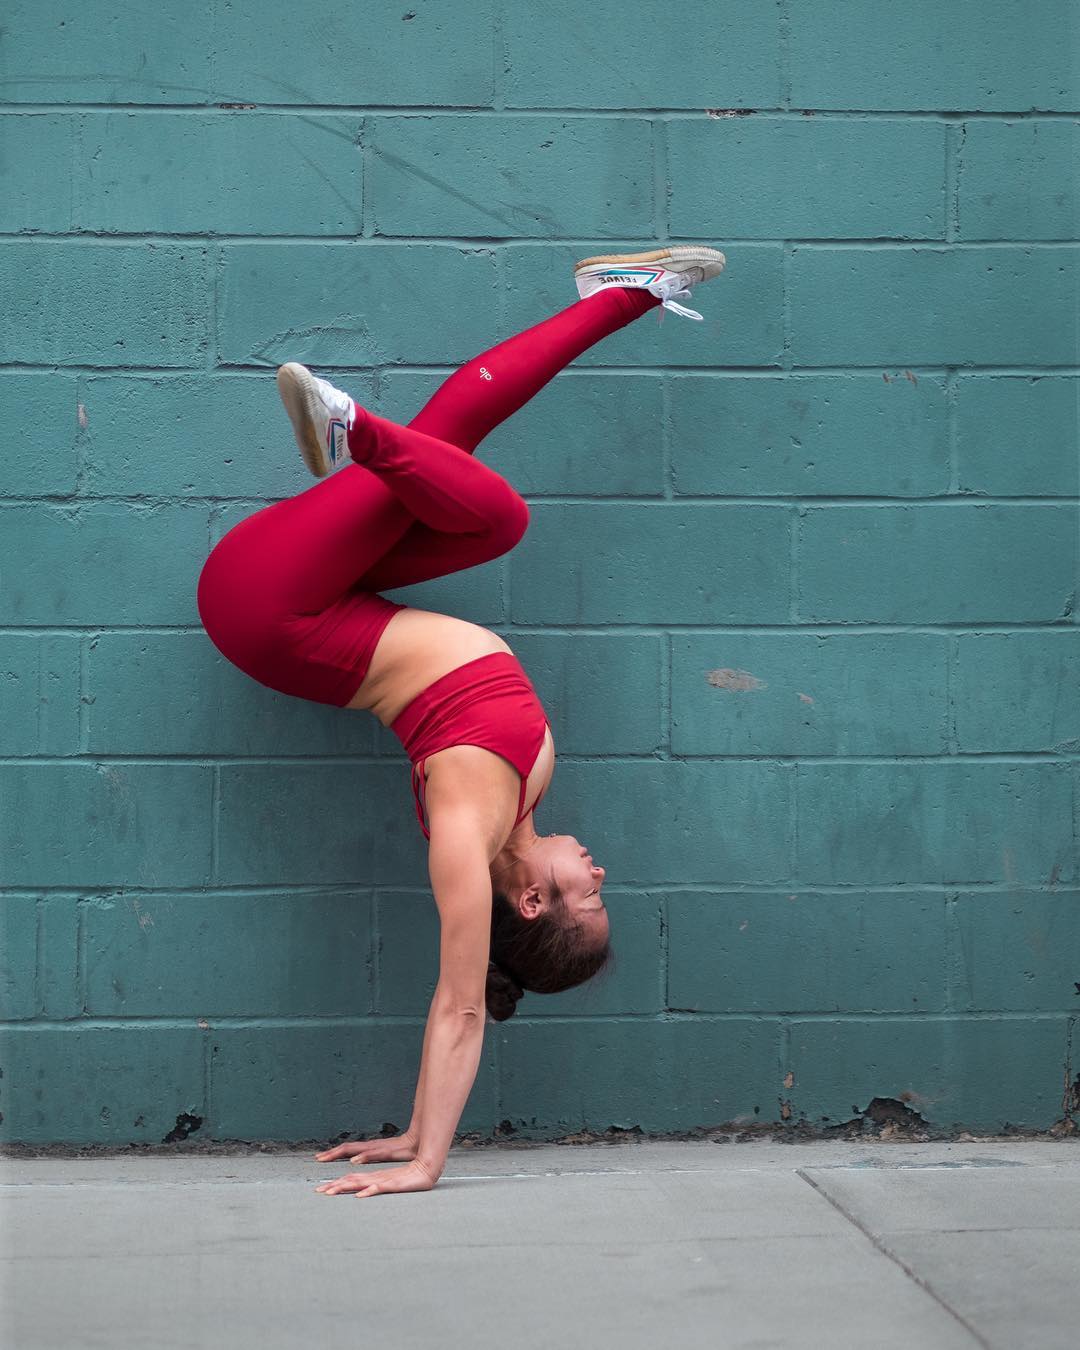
[(513, 523)]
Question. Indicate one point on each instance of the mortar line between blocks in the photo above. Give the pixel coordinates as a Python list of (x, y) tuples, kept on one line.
[(1075, 777), (954, 966), (804, 504), (884, 1250), (955, 134), (660, 202), (749, 1017), (498, 60), (232, 369), (952, 669), (41, 660), (39, 956), (787, 264), (215, 829), (667, 665), (487, 110), (794, 596), (358, 146), (793, 827), (500, 301), (496, 1073), (667, 457), (78, 158), (211, 63), (665, 951), (83, 730), (373, 953), (207, 1057), (504, 573), (79, 447), (888, 890), (120, 239), (784, 54), (80, 954), (1043, 758), (211, 270), (600, 629), (368, 153)]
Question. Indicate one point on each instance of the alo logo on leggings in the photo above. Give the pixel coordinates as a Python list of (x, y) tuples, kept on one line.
[(485, 374)]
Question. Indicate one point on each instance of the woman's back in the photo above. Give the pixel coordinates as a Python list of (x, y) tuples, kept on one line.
[(416, 648)]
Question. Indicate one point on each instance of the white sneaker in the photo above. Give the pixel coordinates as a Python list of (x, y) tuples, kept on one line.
[(320, 415), (665, 272)]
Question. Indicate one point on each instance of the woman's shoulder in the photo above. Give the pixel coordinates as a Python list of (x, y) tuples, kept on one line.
[(476, 785)]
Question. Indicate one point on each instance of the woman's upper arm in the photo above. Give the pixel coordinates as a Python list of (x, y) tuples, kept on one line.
[(461, 882)]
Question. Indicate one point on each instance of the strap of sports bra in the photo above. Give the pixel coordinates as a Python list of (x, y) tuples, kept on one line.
[(521, 800), (524, 784), (417, 771), (418, 778)]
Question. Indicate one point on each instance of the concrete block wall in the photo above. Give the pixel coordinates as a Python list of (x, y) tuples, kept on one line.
[(798, 591)]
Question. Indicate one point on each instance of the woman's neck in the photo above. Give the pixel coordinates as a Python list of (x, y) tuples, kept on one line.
[(522, 839)]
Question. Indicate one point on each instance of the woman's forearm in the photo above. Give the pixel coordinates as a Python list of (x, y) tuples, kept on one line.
[(418, 1100), (453, 1042)]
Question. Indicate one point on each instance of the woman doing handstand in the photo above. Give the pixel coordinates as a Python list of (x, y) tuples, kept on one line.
[(290, 595)]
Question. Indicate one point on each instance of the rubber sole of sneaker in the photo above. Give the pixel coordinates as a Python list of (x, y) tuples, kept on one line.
[(301, 402), (675, 258)]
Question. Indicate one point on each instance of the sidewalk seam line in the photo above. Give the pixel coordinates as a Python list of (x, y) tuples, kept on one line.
[(884, 1250)]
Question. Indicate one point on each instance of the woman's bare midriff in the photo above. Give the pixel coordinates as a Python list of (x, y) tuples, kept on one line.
[(418, 647)]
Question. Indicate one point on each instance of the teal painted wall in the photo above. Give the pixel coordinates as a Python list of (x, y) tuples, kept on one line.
[(798, 590)]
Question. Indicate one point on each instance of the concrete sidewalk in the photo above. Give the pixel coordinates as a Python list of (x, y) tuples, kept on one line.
[(637, 1245)]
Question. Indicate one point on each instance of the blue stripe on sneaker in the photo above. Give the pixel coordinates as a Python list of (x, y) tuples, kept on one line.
[(332, 438), (648, 274)]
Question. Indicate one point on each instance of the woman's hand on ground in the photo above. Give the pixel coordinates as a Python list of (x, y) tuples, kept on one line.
[(412, 1177), (398, 1148)]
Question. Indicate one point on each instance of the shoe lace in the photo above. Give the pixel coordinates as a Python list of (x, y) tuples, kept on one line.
[(669, 286)]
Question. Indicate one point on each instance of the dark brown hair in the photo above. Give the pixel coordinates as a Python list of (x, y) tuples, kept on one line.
[(546, 955)]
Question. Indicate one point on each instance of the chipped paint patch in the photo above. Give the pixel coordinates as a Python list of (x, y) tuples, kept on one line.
[(735, 681)]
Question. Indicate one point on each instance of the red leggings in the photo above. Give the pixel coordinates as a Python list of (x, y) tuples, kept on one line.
[(288, 595)]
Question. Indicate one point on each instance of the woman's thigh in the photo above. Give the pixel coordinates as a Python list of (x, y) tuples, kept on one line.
[(298, 556), (422, 554)]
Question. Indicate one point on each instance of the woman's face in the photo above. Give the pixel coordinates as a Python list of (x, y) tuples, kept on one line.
[(564, 860)]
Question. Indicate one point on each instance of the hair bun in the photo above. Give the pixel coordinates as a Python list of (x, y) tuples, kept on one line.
[(502, 993)]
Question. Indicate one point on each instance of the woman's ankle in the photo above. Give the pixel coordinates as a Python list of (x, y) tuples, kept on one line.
[(361, 434), (636, 300)]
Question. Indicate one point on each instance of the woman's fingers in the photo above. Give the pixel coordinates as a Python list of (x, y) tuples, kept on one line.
[(352, 1181), (340, 1151), (413, 1177), (399, 1149)]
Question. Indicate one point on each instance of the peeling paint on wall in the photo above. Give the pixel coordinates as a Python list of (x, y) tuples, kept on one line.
[(735, 681)]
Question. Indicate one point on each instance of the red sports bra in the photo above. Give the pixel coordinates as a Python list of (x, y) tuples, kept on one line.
[(488, 702)]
